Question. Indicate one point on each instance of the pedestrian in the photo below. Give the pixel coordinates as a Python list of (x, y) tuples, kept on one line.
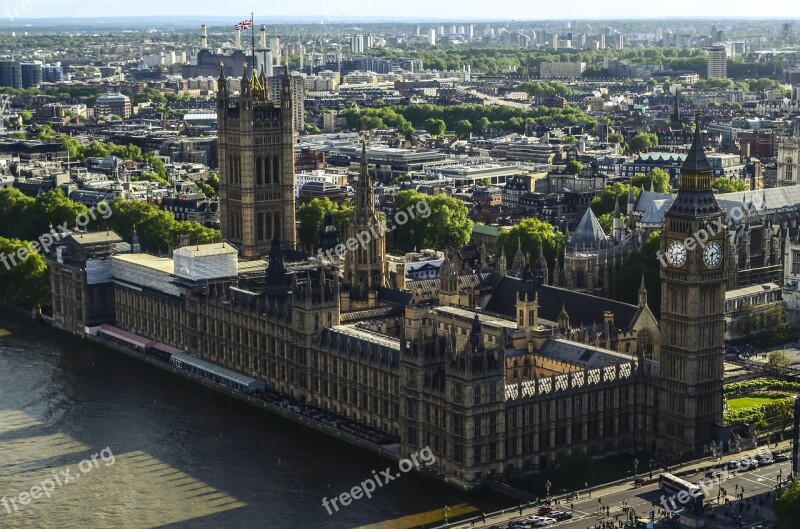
[(520, 510), (483, 517)]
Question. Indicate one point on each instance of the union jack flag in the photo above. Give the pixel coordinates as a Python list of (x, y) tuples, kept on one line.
[(244, 24)]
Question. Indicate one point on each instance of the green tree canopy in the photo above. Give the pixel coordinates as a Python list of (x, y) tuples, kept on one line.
[(606, 202), (787, 506), (23, 282), (574, 167), (616, 137), (463, 129), (311, 216), (659, 179), (643, 141), (638, 263), (724, 184), (533, 236), (447, 225), (436, 127), (606, 221)]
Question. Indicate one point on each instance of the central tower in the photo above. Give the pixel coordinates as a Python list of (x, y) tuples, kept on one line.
[(693, 276), (256, 165)]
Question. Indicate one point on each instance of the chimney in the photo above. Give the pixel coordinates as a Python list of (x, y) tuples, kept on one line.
[(203, 37), (238, 39), (263, 37)]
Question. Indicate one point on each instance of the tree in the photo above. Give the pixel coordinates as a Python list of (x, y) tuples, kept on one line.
[(463, 129), (532, 235), (724, 184), (23, 282), (446, 225), (778, 361), (574, 167), (643, 141), (636, 264), (436, 127), (616, 137), (606, 202), (26, 116), (606, 221), (311, 215), (787, 506), (568, 140), (659, 179)]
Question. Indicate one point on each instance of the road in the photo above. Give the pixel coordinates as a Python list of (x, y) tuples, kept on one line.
[(755, 483)]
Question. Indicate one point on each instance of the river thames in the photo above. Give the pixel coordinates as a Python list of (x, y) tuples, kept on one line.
[(90, 439)]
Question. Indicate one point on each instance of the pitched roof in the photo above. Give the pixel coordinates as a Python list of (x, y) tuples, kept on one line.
[(589, 233), (696, 160), (582, 308)]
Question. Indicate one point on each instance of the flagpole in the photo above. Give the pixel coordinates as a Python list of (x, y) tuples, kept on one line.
[(253, 37)]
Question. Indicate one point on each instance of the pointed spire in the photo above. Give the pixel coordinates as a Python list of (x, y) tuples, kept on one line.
[(616, 208), (696, 160), (642, 293)]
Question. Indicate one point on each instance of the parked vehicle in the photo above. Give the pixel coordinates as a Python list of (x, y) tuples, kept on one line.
[(764, 460), (748, 463), (560, 515), (779, 456), (544, 509), (732, 465)]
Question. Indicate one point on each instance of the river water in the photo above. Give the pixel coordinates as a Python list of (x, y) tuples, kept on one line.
[(90, 439)]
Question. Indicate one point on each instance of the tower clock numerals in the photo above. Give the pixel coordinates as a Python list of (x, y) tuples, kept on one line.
[(676, 254), (712, 255)]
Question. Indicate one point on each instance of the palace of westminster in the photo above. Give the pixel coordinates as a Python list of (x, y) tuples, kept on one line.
[(496, 368)]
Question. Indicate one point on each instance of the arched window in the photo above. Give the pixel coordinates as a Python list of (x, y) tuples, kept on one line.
[(276, 169), (260, 226), (259, 175), (268, 225), (645, 344), (789, 168), (277, 225)]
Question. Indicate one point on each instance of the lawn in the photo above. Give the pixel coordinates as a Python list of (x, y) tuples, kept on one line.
[(741, 403)]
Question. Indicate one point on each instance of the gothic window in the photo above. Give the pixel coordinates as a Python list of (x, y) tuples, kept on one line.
[(477, 394), (277, 225), (276, 169), (645, 342), (268, 225), (259, 175), (260, 226), (789, 168)]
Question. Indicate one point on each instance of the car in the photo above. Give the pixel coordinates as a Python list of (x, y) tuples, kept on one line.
[(732, 465), (533, 519), (748, 463), (779, 456), (764, 460), (544, 509), (547, 521), (560, 515)]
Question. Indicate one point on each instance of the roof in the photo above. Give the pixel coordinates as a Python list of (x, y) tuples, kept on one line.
[(161, 264), (491, 320), (584, 355), (96, 237), (589, 233), (582, 308), (217, 370), (205, 250), (696, 160), (483, 229)]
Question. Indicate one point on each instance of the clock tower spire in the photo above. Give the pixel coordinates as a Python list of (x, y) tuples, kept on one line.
[(693, 278)]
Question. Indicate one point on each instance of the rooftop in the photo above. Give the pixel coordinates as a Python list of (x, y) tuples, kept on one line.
[(160, 264)]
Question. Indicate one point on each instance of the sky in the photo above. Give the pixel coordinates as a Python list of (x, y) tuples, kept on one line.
[(388, 9)]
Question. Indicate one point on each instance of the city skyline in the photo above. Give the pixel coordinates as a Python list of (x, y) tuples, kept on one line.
[(348, 9)]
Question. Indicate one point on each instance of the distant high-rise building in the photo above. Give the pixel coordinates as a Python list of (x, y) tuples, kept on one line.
[(52, 73), (717, 62), (432, 37), (10, 74), (471, 31), (357, 44), (418, 31), (298, 85), (113, 103), (619, 41), (31, 74)]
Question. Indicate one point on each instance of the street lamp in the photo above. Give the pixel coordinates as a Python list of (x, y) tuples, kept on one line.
[(635, 468), (547, 487), (446, 511)]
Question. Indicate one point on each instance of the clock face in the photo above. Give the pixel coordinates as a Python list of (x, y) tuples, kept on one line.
[(676, 254), (712, 254)]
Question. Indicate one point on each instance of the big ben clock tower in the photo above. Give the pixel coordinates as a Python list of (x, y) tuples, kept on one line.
[(693, 277)]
